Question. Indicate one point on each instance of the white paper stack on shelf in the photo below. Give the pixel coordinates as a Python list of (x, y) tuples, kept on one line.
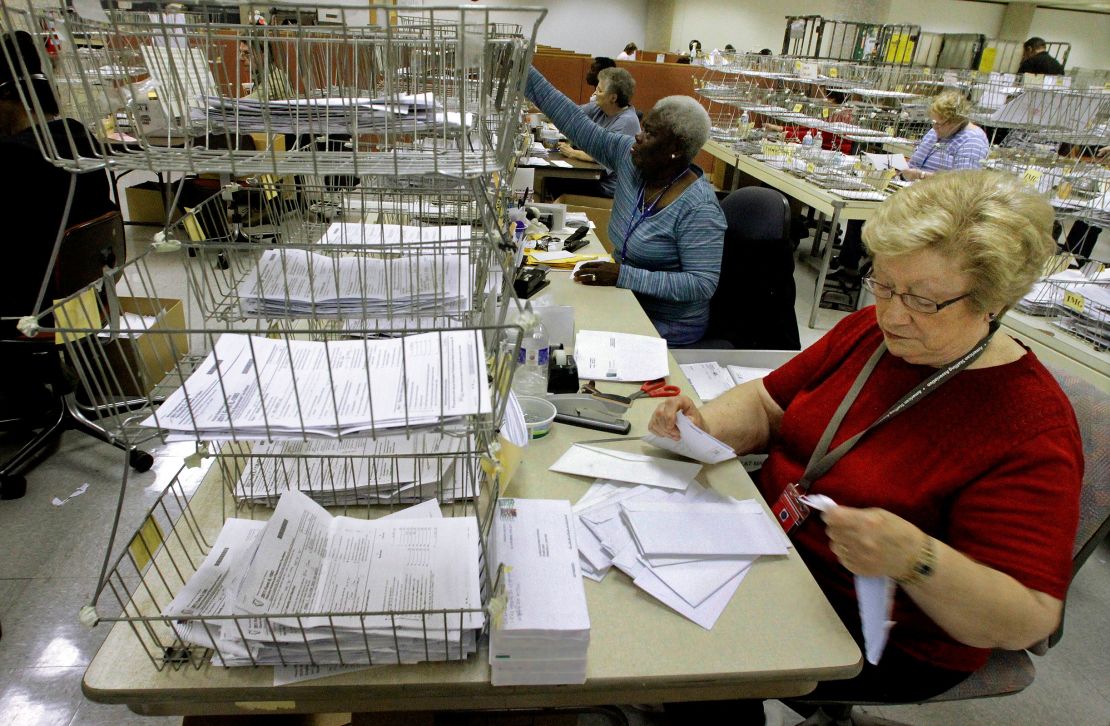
[(690, 550), (328, 115), (396, 235), (244, 388), (299, 283), (543, 631), (333, 572), (710, 380), (385, 469)]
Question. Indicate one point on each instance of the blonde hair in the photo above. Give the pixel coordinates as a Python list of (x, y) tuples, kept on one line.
[(951, 106), (997, 229)]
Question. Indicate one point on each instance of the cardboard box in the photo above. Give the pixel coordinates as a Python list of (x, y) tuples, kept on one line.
[(146, 205), (139, 363), (597, 209)]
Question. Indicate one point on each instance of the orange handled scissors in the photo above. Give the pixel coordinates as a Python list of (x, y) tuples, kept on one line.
[(656, 389)]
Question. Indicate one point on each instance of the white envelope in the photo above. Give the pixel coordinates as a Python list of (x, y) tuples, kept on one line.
[(627, 467)]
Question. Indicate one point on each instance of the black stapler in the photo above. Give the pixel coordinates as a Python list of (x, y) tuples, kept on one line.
[(577, 240), (529, 281)]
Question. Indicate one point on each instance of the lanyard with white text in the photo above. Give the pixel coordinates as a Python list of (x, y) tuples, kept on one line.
[(634, 221), (788, 509)]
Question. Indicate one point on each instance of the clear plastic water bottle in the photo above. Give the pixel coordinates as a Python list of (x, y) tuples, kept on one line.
[(531, 371), (807, 140)]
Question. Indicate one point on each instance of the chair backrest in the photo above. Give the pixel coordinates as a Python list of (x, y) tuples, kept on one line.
[(753, 307), (88, 249)]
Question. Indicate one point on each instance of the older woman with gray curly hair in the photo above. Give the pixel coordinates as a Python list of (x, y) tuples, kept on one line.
[(951, 451), (667, 227)]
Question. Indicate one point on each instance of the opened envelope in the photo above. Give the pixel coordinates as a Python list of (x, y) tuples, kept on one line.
[(626, 466)]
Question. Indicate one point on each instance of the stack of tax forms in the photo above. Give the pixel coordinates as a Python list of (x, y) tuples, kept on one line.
[(309, 588), (710, 379), (688, 549), (299, 283), (395, 469), (397, 235), (335, 115), (541, 629), (250, 387)]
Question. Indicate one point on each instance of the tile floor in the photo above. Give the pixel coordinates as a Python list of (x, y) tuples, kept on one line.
[(51, 556)]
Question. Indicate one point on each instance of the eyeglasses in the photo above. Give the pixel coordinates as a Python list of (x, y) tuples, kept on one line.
[(916, 303)]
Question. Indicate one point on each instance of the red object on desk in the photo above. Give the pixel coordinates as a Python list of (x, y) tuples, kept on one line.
[(656, 389)]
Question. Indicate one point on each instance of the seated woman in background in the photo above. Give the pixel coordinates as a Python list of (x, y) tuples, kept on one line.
[(968, 497), (610, 108), (952, 143), (629, 52), (666, 227)]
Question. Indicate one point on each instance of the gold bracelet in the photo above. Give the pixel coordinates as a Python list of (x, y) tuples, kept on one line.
[(923, 566)]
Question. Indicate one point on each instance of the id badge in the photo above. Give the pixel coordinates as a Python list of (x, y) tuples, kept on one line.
[(789, 509)]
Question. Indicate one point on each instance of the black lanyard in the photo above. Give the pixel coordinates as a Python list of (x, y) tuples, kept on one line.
[(821, 460), (634, 221)]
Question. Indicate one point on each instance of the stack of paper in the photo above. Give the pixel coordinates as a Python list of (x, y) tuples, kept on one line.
[(620, 356), (561, 259), (397, 235), (313, 588), (542, 631), (690, 550), (257, 388), (386, 469), (334, 115), (298, 283), (626, 466)]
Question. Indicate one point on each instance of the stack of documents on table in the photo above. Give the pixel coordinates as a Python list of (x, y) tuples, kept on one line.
[(382, 470), (541, 629), (397, 235), (626, 466), (620, 356), (562, 259), (255, 388), (710, 380), (312, 588), (298, 283), (689, 550)]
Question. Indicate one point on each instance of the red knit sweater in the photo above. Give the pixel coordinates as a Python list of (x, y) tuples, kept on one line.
[(991, 464)]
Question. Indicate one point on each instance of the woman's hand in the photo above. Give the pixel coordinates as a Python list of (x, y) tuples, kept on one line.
[(572, 153), (872, 542), (914, 174), (598, 273), (663, 421)]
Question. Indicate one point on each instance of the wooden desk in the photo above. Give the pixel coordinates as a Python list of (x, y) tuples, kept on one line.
[(580, 170), (777, 637)]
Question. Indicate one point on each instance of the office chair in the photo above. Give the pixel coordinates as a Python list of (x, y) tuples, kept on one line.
[(753, 306), (1008, 671), (87, 250)]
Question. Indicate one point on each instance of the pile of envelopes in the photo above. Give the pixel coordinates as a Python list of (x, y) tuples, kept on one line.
[(540, 628), (689, 548)]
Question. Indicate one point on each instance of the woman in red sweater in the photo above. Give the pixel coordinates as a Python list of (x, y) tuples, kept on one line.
[(968, 497)]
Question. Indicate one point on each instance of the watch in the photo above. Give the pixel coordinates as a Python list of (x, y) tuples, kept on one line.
[(922, 567)]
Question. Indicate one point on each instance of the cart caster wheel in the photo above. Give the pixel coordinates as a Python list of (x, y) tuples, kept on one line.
[(13, 487), (140, 460)]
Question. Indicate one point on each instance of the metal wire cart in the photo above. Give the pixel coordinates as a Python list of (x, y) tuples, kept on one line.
[(350, 278)]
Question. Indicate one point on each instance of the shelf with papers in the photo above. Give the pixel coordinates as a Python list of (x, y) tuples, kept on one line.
[(436, 91), (416, 258), (262, 380), (205, 581)]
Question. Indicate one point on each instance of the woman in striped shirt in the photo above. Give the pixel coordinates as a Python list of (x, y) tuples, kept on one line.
[(667, 227)]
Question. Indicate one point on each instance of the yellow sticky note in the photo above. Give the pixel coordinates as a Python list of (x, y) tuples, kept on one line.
[(824, 113), (192, 227), (797, 108), (145, 543), (810, 168), (832, 73), (80, 313), (1031, 177), (1073, 301)]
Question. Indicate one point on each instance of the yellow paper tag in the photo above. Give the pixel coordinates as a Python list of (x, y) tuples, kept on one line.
[(269, 184), (928, 70), (797, 65), (889, 131), (1064, 190), (824, 113), (810, 168), (145, 543), (1031, 177), (901, 88), (1073, 301), (80, 313), (833, 73), (192, 227), (797, 108)]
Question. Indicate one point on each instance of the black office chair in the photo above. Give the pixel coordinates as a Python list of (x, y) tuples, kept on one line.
[(87, 251), (1011, 671), (753, 307)]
